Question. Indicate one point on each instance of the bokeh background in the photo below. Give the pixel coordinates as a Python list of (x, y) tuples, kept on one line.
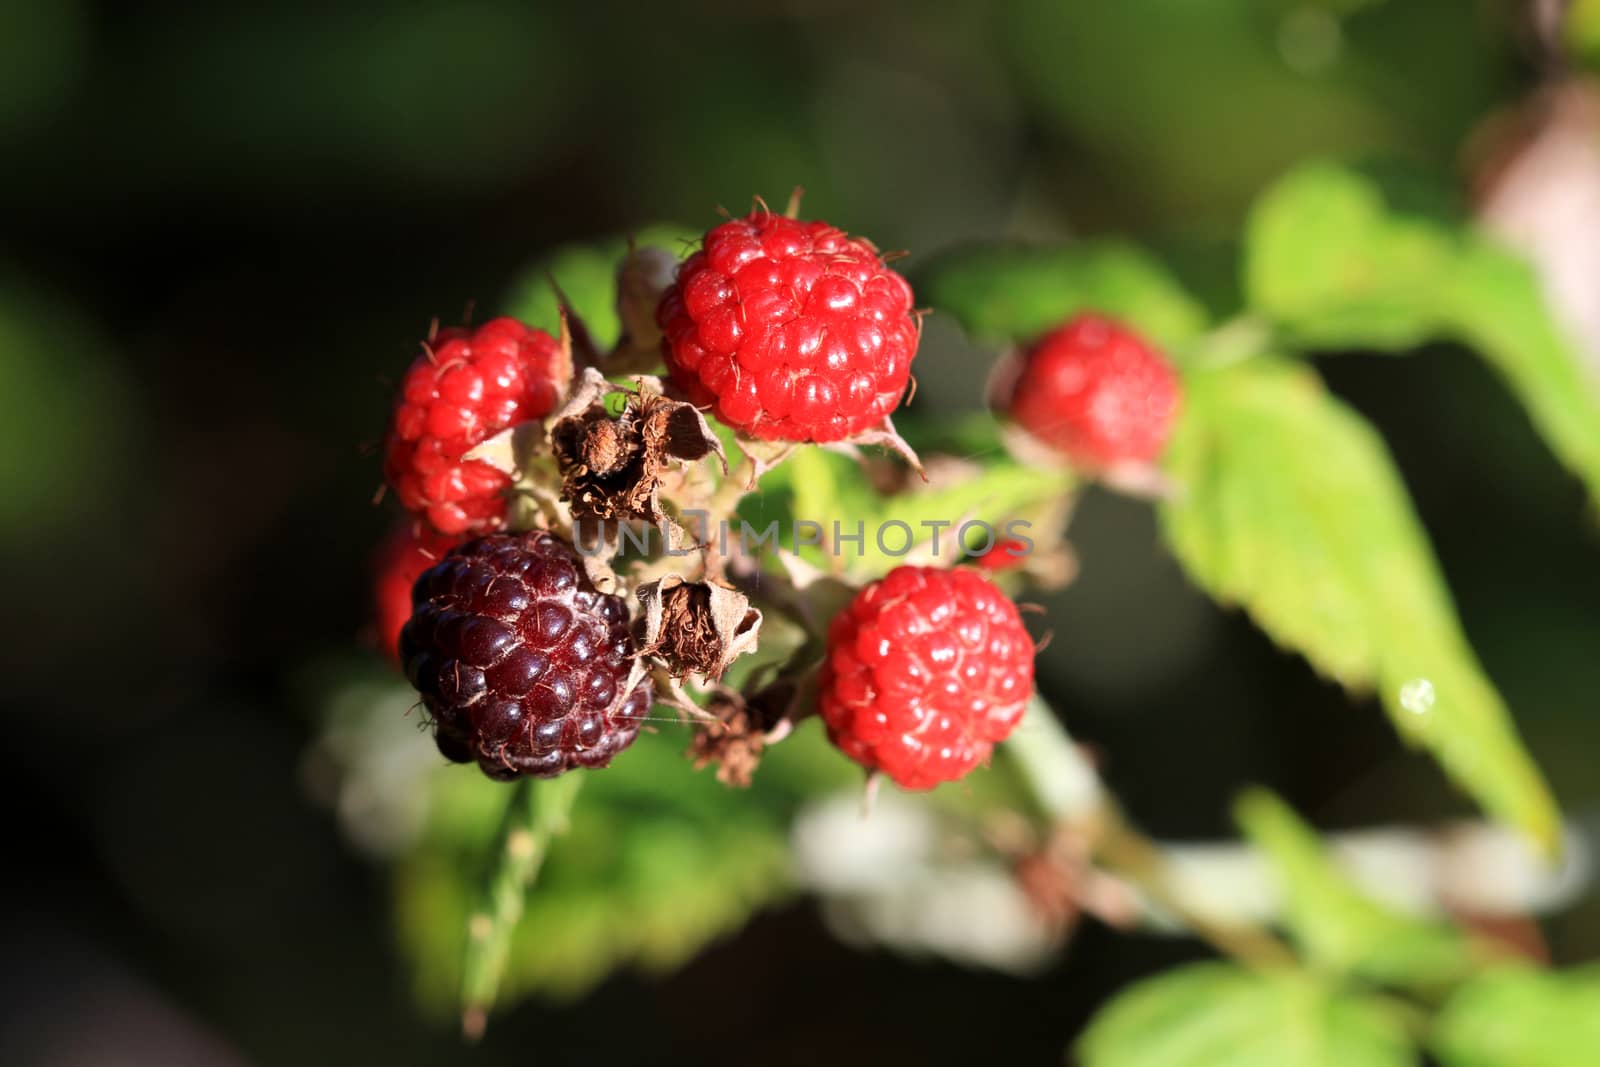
[(223, 232)]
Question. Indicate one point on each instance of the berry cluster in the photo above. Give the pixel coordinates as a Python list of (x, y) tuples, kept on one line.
[(785, 330)]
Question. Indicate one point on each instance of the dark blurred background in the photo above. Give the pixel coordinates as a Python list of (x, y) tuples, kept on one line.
[(224, 232)]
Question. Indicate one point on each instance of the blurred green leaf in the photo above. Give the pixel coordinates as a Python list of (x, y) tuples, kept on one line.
[(1017, 292), (344, 91), (1582, 30), (44, 51), (1335, 924), (1288, 504), (827, 488), (1221, 1015), (1325, 258), (1338, 268), (658, 860), (65, 418), (1228, 68), (1520, 1017), (998, 493), (587, 274), (1497, 308)]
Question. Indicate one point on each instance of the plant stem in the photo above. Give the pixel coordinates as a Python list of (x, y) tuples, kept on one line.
[(537, 813), (1068, 789)]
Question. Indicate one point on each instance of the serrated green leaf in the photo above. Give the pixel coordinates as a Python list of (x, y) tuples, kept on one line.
[(1289, 506), (1336, 925), (1017, 292), (1520, 1017), (1221, 1015), (587, 274), (1325, 258), (1496, 307), (1337, 267)]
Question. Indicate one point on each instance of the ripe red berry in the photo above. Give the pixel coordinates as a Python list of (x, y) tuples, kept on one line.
[(521, 662), (1002, 556), (465, 388), (927, 669), (791, 330), (1095, 391), (411, 549)]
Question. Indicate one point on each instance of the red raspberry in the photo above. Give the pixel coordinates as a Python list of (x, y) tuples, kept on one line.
[(466, 388), (411, 549), (927, 669), (1003, 556), (1098, 393), (792, 330), (521, 662)]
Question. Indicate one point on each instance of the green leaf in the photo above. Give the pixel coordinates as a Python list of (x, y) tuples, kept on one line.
[(1221, 1015), (1337, 267), (819, 486), (587, 274), (1017, 292), (1497, 308), (658, 860), (1326, 259), (1582, 30), (1520, 1017), (1336, 925), (1288, 505), (66, 416)]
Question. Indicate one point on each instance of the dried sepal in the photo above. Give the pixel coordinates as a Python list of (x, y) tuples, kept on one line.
[(513, 451), (612, 466), (740, 730), (696, 627), (886, 436)]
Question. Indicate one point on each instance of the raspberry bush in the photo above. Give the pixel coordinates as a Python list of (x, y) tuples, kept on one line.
[(690, 528)]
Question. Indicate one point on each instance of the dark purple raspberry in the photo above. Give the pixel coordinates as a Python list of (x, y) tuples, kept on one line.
[(520, 660)]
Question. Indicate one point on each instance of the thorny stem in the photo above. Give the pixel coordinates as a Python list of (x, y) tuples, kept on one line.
[(537, 813), (1067, 787), (1127, 852)]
